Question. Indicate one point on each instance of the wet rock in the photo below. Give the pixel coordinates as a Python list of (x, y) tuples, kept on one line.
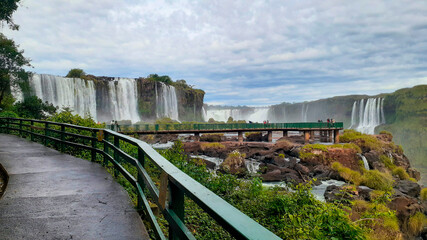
[(273, 176), (212, 138), (401, 160), (279, 161), (302, 169), (254, 137), (372, 157), (364, 193), (405, 207), (413, 173), (409, 188)]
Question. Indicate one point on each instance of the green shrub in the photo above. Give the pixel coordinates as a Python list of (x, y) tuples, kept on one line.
[(214, 145), (401, 173), (349, 175), (364, 141), (416, 223), (385, 132), (8, 114), (388, 162), (378, 180), (423, 194)]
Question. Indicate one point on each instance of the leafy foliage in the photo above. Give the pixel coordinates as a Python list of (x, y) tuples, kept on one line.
[(33, 107), (7, 7), (76, 73), (12, 63)]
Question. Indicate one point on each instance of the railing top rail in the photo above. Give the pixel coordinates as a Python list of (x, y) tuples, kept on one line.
[(55, 123)]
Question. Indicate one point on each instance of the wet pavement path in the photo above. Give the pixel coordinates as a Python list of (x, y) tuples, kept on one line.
[(51, 195)]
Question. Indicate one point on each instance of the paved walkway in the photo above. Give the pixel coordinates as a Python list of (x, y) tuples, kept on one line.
[(51, 195)]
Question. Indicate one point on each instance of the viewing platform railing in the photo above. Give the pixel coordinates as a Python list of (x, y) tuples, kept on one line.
[(228, 126), (106, 147)]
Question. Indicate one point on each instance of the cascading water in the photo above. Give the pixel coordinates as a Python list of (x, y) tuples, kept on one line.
[(365, 162), (119, 103), (123, 99), (253, 114), (371, 114), (166, 102), (304, 112), (75, 93), (205, 117)]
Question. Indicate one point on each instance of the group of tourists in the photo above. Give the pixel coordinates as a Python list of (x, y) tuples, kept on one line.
[(114, 125), (330, 121)]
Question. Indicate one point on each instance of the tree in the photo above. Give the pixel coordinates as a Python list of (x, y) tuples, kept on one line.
[(7, 7), (12, 63), (34, 107), (76, 73)]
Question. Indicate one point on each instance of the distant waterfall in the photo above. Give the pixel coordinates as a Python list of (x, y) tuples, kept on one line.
[(204, 115), (75, 93), (123, 99), (370, 115), (304, 112), (253, 114), (166, 102)]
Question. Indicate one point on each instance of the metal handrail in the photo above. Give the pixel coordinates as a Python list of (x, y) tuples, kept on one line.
[(178, 184)]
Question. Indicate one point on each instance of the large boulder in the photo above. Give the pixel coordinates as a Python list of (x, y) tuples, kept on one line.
[(405, 207), (413, 173), (234, 164), (409, 188)]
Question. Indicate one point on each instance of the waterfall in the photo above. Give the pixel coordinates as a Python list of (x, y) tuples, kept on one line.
[(353, 114), (365, 162), (254, 114), (123, 99), (371, 114), (166, 102), (119, 100), (304, 112), (75, 93), (252, 166), (204, 116)]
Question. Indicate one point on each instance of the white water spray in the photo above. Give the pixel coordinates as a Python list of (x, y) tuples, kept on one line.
[(166, 102), (370, 116)]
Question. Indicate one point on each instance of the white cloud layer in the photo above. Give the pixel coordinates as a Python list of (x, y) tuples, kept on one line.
[(240, 51)]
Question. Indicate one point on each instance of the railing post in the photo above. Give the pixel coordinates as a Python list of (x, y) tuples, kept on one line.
[(141, 160), (106, 138), (93, 157), (32, 130), (62, 138), (176, 204), (116, 154), (20, 127), (7, 126), (46, 125)]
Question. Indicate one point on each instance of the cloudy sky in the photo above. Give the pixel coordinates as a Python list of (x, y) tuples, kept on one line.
[(240, 52)]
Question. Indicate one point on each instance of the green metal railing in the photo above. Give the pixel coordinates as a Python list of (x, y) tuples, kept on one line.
[(227, 126), (106, 144)]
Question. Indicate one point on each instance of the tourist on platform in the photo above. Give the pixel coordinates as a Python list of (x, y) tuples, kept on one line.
[(117, 126), (112, 125)]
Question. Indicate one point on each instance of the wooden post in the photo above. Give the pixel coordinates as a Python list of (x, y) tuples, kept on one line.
[(312, 135), (269, 136), (330, 137), (285, 133), (306, 136), (240, 136), (336, 136), (197, 137)]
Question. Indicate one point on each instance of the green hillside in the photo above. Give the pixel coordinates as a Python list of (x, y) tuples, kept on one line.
[(406, 114)]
